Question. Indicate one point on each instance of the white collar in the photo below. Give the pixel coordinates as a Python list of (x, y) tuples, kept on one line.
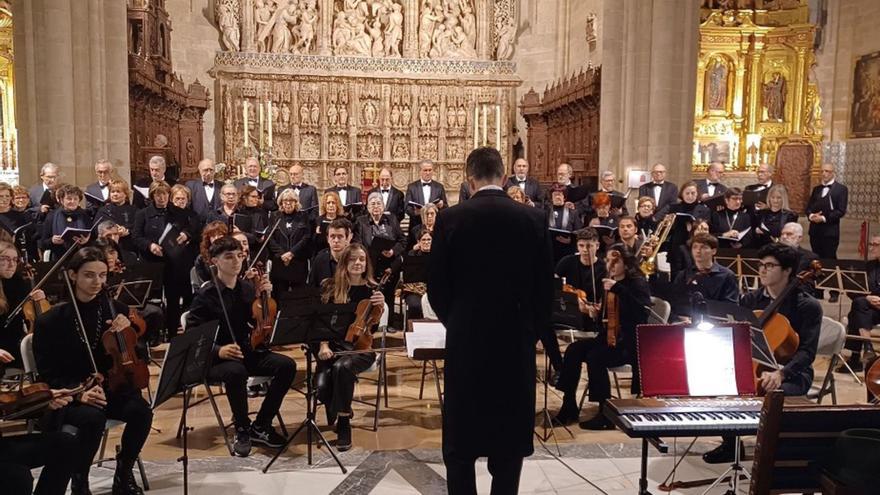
[(490, 187), (828, 184)]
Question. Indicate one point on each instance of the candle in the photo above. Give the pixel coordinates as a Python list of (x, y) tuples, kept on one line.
[(485, 125), (476, 125), (260, 105), (246, 137), (269, 111), (498, 127)]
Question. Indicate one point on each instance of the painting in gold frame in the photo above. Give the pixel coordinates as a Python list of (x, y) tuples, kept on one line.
[(865, 112)]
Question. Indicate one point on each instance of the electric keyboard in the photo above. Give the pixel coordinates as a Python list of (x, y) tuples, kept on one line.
[(690, 416)]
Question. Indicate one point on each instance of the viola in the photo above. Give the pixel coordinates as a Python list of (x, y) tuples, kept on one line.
[(612, 306), (29, 399), (128, 369), (366, 317), (265, 311), (32, 309)]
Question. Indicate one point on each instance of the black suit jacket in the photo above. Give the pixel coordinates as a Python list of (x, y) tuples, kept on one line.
[(464, 192), (532, 189), (94, 192), (703, 187), (833, 210), (493, 315), (668, 193), (353, 194), (414, 194), (395, 204), (141, 200), (200, 203), (265, 187), (308, 198)]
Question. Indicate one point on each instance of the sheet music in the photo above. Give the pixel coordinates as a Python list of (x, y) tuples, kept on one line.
[(710, 361), (425, 335)]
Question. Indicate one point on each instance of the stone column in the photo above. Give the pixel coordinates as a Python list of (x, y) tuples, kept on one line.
[(325, 30), (71, 68), (484, 18), (798, 82), (411, 28), (248, 37)]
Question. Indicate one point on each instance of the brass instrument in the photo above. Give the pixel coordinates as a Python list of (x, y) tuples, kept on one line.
[(648, 264)]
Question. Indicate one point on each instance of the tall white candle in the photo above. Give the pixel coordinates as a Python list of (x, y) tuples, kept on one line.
[(476, 125), (269, 112), (485, 125), (498, 127), (246, 137), (260, 105)]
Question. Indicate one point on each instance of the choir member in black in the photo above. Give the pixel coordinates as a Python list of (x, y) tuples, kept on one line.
[(210, 233), (249, 205), (348, 195), (265, 187), (205, 190), (308, 195), (776, 271), (645, 216), (63, 359), (339, 234), (157, 169), (330, 210), (391, 196), (13, 289), (662, 191), (97, 193), (584, 270), (516, 193), (20, 199), (628, 283), (825, 208), (586, 208), (228, 205), (429, 217), (11, 219), (289, 245), (688, 203), (68, 215), (336, 376), (423, 191), (412, 294), (711, 186), (120, 210), (235, 360), (490, 283), (54, 451), (865, 311), (769, 221), (764, 173), (732, 221), (628, 233), (529, 185), (149, 226), (562, 218), (704, 275), (377, 224)]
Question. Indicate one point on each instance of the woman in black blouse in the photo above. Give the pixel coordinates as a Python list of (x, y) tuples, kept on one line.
[(289, 244), (329, 210), (249, 205), (13, 290), (768, 222), (120, 210)]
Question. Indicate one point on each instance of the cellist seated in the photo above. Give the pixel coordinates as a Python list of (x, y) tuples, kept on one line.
[(777, 269), (336, 375), (629, 286), (234, 359)]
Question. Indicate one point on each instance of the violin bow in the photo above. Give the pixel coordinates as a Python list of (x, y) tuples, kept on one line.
[(264, 243), (79, 320), (216, 279), (42, 281)]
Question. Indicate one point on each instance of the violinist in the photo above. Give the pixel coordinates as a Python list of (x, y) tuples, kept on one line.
[(64, 360), (584, 270), (628, 284), (339, 235), (120, 210), (69, 215), (13, 289), (336, 376), (234, 358), (290, 243), (776, 271)]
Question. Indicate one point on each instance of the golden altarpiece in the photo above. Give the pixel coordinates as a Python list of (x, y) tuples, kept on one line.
[(364, 84), (8, 145), (755, 100)]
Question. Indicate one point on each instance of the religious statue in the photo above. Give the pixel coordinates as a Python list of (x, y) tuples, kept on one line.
[(405, 115), (469, 25), (343, 115), (369, 113), (285, 115), (229, 28), (315, 114), (434, 116), (428, 19), (394, 31), (304, 114), (506, 39), (262, 16), (591, 28), (716, 86), (308, 20), (395, 115), (461, 116), (774, 97), (378, 45), (332, 114), (423, 115)]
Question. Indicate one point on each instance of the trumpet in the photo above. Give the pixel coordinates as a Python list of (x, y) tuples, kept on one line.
[(648, 264)]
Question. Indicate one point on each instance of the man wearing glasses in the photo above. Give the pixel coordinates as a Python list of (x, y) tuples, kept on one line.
[(349, 195), (776, 271), (865, 312), (664, 193)]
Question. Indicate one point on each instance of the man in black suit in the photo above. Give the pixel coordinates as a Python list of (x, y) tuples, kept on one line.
[(423, 191), (765, 178), (97, 192), (265, 187), (157, 167), (529, 185), (663, 192), (711, 186), (48, 179), (865, 312), (392, 197), (205, 190), (308, 195), (827, 205), (493, 316), (349, 195)]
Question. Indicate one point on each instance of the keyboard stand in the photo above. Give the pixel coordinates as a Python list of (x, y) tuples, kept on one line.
[(735, 470), (661, 447)]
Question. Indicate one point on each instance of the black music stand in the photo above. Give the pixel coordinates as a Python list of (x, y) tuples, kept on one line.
[(313, 324), (185, 366)]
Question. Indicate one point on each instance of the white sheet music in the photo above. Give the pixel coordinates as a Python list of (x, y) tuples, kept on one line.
[(425, 335), (710, 361)]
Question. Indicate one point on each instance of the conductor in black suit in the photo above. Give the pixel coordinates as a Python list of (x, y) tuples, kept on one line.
[(711, 186), (493, 316), (423, 191), (529, 185), (308, 194), (663, 192), (265, 187), (205, 190), (392, 197)]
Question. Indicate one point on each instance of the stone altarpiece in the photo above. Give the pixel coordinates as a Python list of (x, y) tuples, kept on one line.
[(364, 84)]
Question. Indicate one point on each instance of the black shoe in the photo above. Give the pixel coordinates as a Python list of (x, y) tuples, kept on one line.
[(79, 484), (123, 479), (567, 415), (242, 444), (253, 392), (722, 454), (597, 422), (343, 433), (554, 378), (267, 436), (833, 297), (264, 389)]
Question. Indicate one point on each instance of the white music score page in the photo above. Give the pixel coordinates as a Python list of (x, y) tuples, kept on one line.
[(709, 361)]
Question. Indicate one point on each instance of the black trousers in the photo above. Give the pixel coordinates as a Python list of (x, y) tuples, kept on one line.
[(336, 381), (599, 357), (234, 375), (285, 278), (861, 315), (89, 421), (55, 451), (461, 474), (175, 290)]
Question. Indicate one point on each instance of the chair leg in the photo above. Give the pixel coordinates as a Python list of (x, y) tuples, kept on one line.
[(220, 422), (437, 382), (140, 465), (617, 385), (103, 447), (379, 382), (422, 384)]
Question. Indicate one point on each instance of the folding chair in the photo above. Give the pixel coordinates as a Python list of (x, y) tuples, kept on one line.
[(832, 337)]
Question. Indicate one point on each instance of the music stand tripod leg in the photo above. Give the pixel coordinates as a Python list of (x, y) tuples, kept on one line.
[(735, 470)]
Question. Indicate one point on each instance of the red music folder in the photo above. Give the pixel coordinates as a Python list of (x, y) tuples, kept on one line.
[(683, 360)]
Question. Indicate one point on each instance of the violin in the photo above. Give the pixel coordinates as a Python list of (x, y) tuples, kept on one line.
[(570, 289), (265, 311), (612, 306), (128, 368), (32, 309), (782, 339), (29, 399), (366, 317)]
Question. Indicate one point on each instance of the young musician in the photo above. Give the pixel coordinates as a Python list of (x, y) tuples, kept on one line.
[(628, 284), (290, 243), (769, 221), (864, 312), (64, 352), (13, 290), (69, 215), (776, 272), (350, 285), (234, 358), (730, 222), (704, 275), (584, 270), (339, 234)]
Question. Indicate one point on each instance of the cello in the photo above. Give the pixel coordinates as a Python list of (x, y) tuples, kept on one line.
[(265, 311), (366, 317)]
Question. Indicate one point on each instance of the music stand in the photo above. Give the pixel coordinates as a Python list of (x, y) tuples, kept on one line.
[(185, 366), (133, 294), (313, 323)]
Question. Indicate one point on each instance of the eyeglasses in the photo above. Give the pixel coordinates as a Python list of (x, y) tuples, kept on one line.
[(767, 266), (8, 260)]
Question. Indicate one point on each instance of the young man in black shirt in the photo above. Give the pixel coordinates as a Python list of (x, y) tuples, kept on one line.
[(339, 234)]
